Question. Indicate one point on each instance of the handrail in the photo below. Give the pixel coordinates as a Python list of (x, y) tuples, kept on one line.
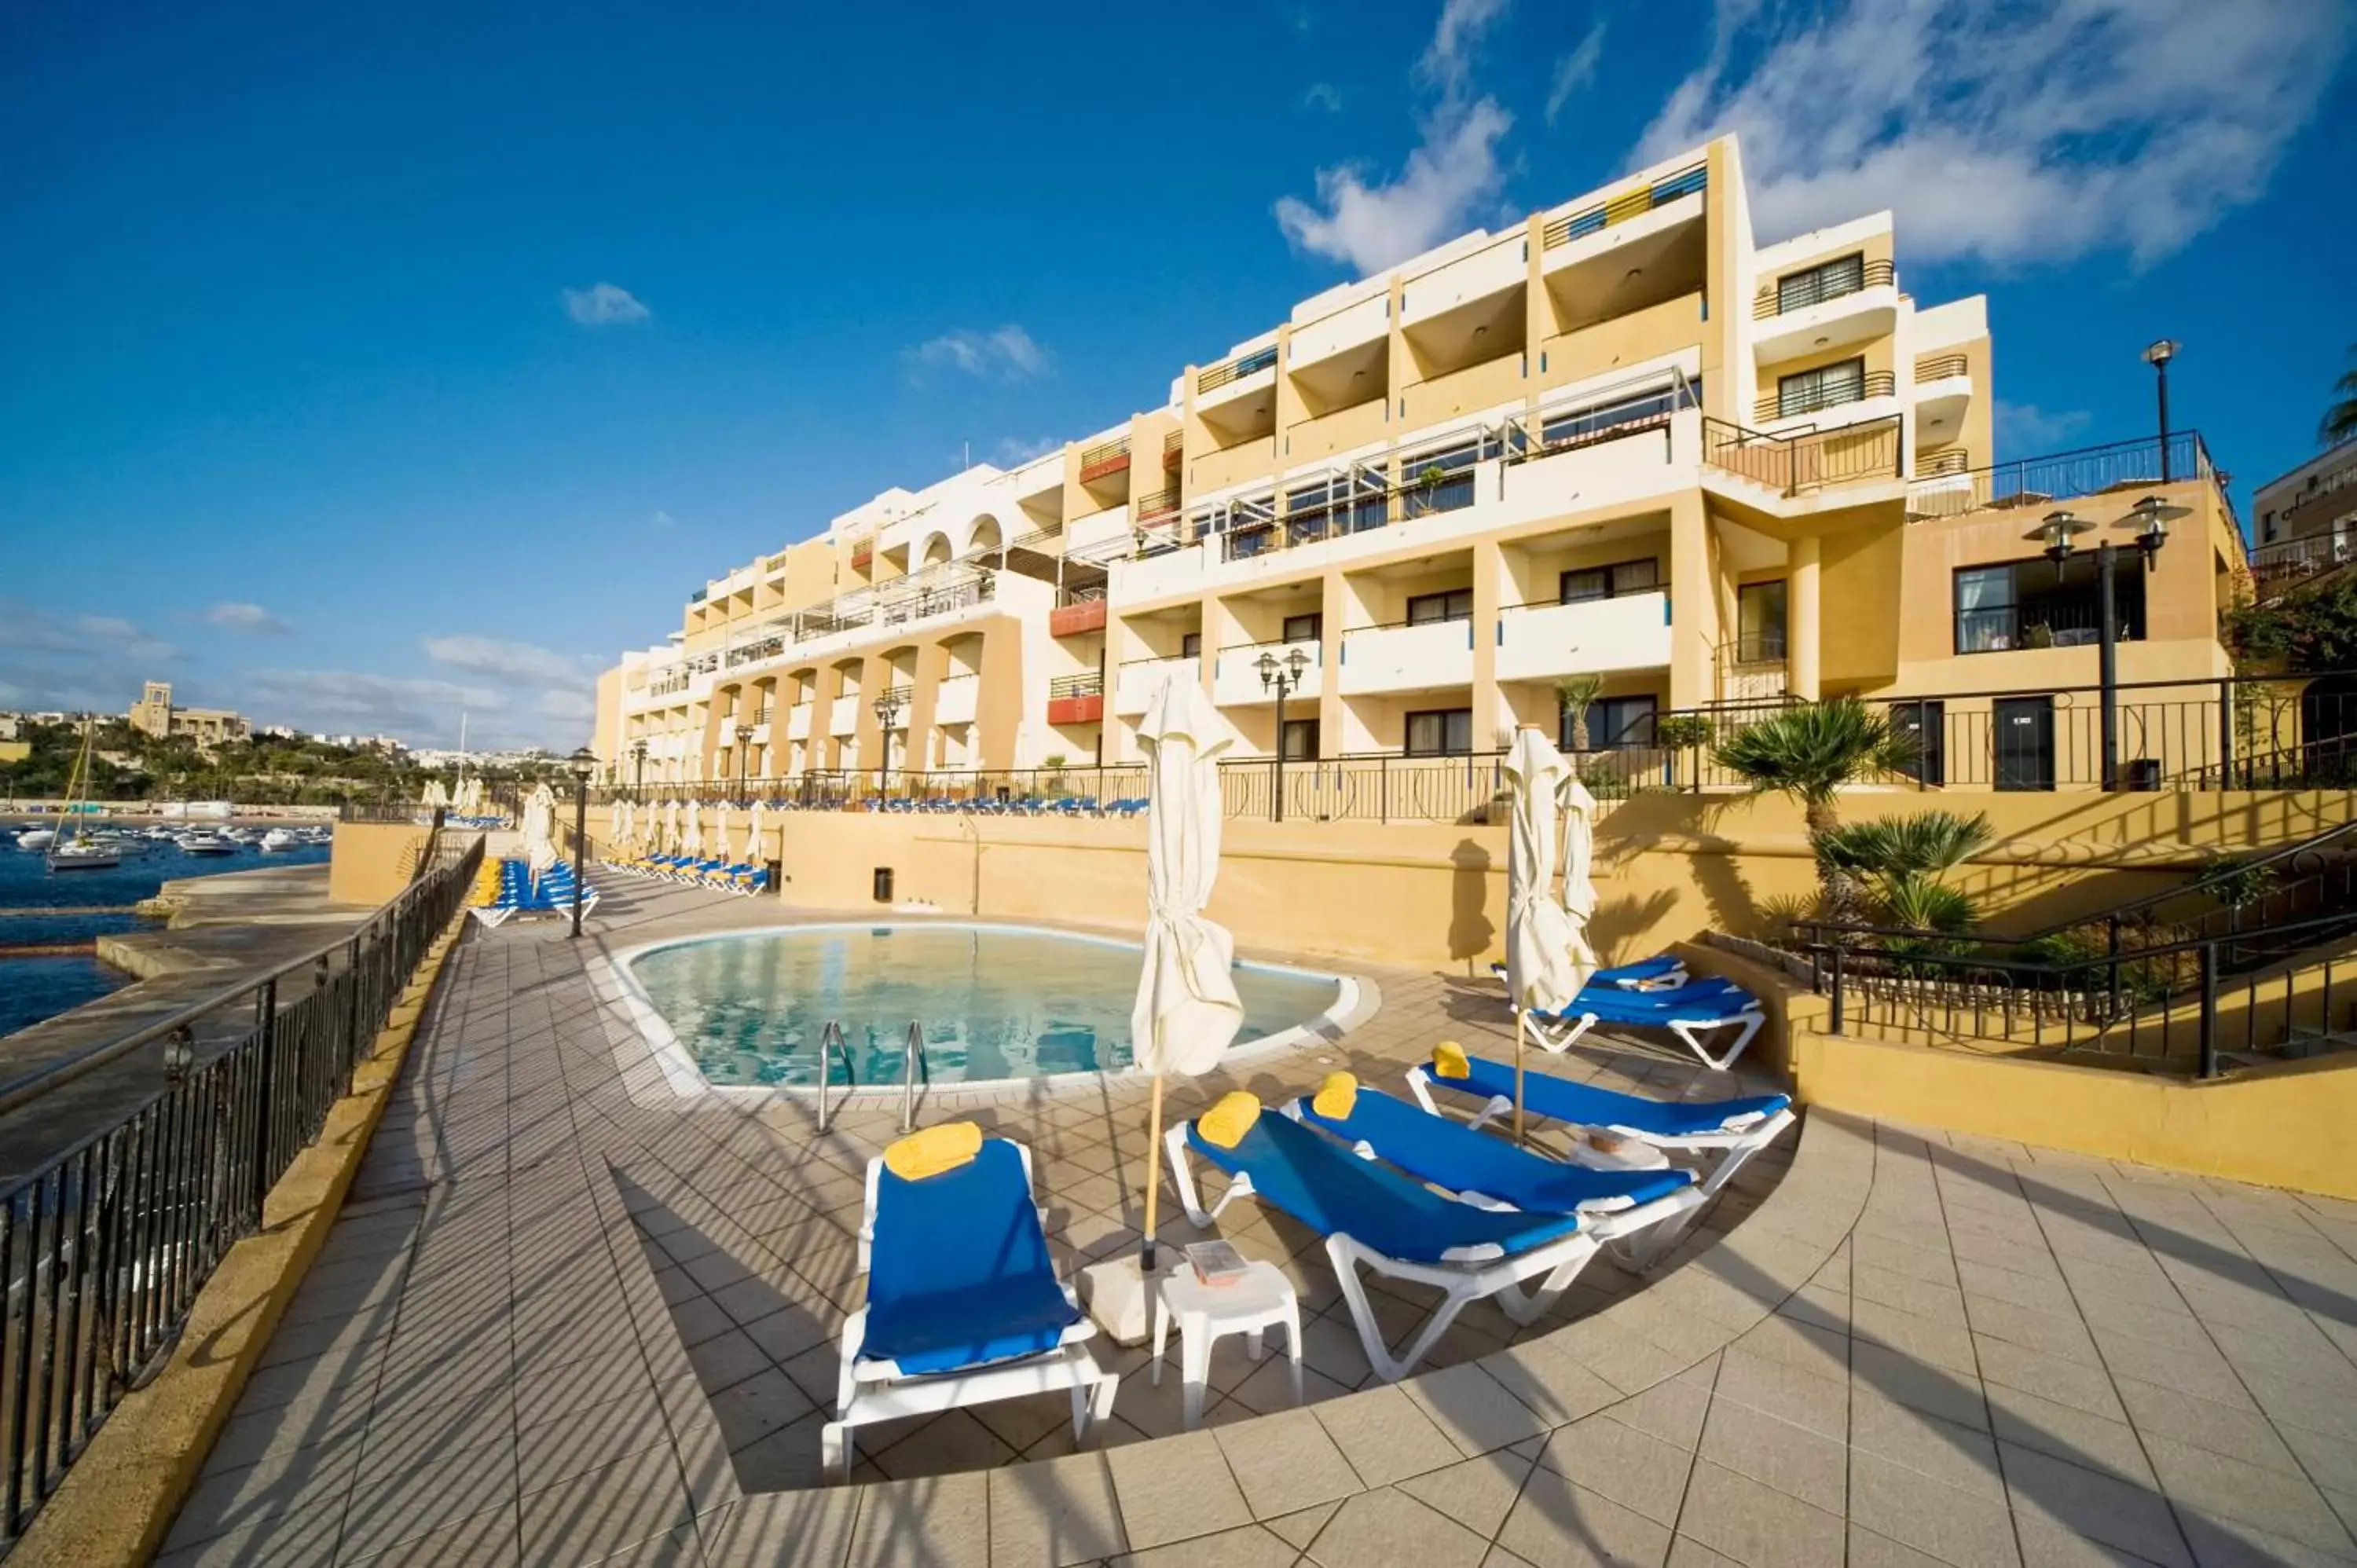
[(830, 1043), (2154, 900), (1768, 302), (913, 1061), (26, 1088)]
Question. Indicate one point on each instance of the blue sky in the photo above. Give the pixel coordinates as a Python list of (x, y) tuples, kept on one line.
[(368, 362)]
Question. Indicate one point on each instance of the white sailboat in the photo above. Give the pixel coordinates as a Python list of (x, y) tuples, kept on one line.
[(76, 851)]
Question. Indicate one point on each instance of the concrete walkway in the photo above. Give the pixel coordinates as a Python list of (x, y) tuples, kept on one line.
[(569, 1317)]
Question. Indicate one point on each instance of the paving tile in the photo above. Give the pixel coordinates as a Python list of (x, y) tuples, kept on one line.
[(1792, 1459), (2099, 1508), (2228, 1488), (1286, 1463), (2189, 1368), (1472, 1408), (1633, 1468), (287, 1481), (492, 1539), (942, 1520), (300, 1540), (1672, 1410), (1385, 1436), (1476, 1493), (2093, 1442), (2237, 1431), (1388, 1525), (1556, 1524), (1867, 1550), (1966, 1529), (1251, 1546), (2072, 1383), (1176, 1488), (1755, 1523), (1055, 1512)]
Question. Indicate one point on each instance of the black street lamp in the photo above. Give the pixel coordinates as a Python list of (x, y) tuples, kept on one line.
[(2157, 356), (2151, 517), (585, 762), (887, 708), (744, 755), (1282, 676), (639, 755)]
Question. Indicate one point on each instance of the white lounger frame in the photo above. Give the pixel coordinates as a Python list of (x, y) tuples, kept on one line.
[(1467, 1275), (1560, 1031), (870, 1391), (1728, 1147)]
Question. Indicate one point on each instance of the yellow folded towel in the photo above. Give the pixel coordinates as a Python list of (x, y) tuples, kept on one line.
[(1226, 1123), (1336, 1096), (1448, 1061), (933, 1151)]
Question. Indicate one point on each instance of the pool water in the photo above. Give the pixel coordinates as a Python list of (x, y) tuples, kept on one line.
[(995, 1002)]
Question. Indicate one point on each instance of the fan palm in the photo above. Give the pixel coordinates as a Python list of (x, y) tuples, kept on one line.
[(1904, 846), (1810, 752), (2339, 421)]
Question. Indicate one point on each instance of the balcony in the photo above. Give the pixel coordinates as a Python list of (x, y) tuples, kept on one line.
[(843, 714), (1235, 674), (1135, 684), (1465, 280), (798, 720), (2039, 482), (1824, 315), (1548, 641), (1807, 460), (1356, 325), (1083, 612), (1238, 377), (1626, 207), (1076, 699), (956, 698), (1943, 390), (1778, 404), (1104, 460), (1430, 656)]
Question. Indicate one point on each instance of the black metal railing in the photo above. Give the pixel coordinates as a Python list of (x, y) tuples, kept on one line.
[(1090, 684), (1805, 460), (2087, 471), (2064, 621), (105, 1247), (1819, 285), (2288, 562), (1792, 402)]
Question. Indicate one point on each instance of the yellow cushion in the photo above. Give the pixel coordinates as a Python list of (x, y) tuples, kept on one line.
[(1448, 1061), (933, 1151), (1226, 1123), (1336, 1096)]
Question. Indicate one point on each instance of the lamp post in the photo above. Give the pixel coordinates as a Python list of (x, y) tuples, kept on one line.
[(585, 762), (744, 756), (1281, 676), (639, 756), (887, 708), (2157, 356), (2151, 517)]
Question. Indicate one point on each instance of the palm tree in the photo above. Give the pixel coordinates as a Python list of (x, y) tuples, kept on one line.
[(2339, 421), (1809, 752)]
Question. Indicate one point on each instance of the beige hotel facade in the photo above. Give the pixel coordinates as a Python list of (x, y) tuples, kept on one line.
[(1620, 439)]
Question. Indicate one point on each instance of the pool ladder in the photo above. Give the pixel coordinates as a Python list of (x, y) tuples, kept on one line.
[(912, 1065)]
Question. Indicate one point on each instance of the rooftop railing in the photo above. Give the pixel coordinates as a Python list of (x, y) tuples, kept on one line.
[(1236, 370), (1627, 205), (2087, 471)]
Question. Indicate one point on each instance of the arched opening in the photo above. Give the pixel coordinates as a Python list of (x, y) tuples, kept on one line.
[(936, 552), (985, 538)]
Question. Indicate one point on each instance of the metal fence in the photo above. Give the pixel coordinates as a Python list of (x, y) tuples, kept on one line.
[(106, 1246), (2088, 471)]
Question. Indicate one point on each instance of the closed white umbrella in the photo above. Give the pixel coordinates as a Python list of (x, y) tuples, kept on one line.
[(619, 830), (720, 825), (758, 834), (1578, 872), (694, 843), (1540, 970), (1186, 1010), (539, 830), (671, 827)]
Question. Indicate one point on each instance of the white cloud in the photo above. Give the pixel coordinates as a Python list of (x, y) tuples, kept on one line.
[(605, 305), (1013, 452), (2017, 133), (115, 628), (1575, 71), (1008, 354), (664, 520), (2025, 427), (1323, 95), (342, 700), (1454, 174), (91, 661), (235, 617), (517, 663)]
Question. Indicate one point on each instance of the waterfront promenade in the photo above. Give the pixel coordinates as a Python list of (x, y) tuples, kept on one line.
[(568, 1316)]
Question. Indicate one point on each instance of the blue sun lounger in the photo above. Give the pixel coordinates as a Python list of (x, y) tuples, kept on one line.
[(1400, 1229), (963, 1304), (1658, 973), (1689, 1012), (1486, 1172), (1725, 1133)]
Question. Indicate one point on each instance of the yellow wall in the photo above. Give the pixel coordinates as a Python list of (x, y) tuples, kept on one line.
[(370, 862)]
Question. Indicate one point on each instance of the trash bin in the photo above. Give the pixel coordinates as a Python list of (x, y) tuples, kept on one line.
[(883, 885)]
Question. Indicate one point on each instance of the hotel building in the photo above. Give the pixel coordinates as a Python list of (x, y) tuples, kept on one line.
[(1617, 440), (154, 714)]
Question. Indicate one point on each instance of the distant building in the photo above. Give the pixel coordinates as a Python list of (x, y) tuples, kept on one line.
[(154, 714), (2319, 497), (11, 726)]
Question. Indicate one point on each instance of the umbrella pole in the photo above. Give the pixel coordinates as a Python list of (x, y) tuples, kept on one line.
[(1518, 1074), (1153, 1177)]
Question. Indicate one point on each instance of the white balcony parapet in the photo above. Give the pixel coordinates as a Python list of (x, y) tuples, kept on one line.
[(1492, 269), (1545, 643), (955, 699), (843, 714), (1136, 681), (1434, 656), (1235, 674), (798, 720)]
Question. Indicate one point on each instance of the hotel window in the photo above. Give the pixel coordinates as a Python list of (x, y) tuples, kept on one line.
[(1304, 629), (1827, 280), (1456, 603), (1586, 583), (2030, 604), (1827, 386), (1191, 646), (1760, 623), (1614, 723), (1440, 732), (1300, 742)]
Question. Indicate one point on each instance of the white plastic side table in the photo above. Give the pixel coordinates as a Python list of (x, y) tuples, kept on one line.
[(1261, 1299)]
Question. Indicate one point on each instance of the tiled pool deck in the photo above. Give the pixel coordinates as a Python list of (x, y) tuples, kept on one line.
[(568, 1317)]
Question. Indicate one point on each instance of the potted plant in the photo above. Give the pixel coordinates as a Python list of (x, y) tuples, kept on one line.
[(1676, 733), (1578, 693), (1429, 479)]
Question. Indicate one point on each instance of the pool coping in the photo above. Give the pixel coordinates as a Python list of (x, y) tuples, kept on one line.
[(1357, 1000)]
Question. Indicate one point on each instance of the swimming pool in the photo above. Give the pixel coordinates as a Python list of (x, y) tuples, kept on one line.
[(996, 1001)]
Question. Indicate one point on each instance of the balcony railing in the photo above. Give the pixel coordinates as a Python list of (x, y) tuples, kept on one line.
[(2275, 567), (1174, 447), (1153, 508), (1781, 404), (2090, 470), (1104, 459), (1805, 460), (2072, 622), (1955, 461), (1236, 370), (1090, 684), (1939, 366), (1628, 204), (1786, 296)]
